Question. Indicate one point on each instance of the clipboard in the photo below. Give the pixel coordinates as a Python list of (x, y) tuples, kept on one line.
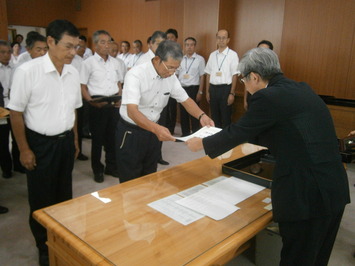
[(108, 99)]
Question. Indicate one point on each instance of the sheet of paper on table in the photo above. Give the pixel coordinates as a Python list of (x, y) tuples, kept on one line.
[(202, 133), (217, 200)]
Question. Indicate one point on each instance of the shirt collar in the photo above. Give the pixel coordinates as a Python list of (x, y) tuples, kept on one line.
[(193, 56), (152, 72), (8, 65), (49, 66), (99, 58), (225, 51)]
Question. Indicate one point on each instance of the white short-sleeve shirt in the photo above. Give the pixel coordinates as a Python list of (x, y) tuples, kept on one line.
[(191, 69), (134, 59), (48, 100), (100, 76), (5, 79), (222, 66), (145, 88), (125, 58), (148, 56)]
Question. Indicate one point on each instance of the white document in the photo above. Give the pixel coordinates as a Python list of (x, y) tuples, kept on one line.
[(191, 190), (170, 208), (214, 181), (202, 133), (231, 190), (215, 209), (218, 200)]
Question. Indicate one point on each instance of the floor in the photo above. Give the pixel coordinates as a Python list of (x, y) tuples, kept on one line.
[(17, 246)]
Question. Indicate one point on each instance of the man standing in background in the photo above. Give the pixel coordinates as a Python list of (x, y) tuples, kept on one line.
[(102, 75), (221, 80), (191, 76)]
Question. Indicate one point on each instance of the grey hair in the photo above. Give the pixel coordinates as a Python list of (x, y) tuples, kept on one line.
[(158, 34), (262, 61), (168, 49), (95, 36)]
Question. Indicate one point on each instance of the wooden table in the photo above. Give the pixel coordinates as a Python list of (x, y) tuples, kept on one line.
[(125, 231)]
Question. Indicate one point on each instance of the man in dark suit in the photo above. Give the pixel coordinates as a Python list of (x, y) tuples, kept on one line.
[(310, 186)]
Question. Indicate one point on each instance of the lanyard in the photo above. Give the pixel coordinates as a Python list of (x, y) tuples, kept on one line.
[(188, 69), (219, 67), (137, 58)]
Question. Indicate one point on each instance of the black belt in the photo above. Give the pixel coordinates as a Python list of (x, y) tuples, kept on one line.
[(220, 85), (58, 136), (130, 124)]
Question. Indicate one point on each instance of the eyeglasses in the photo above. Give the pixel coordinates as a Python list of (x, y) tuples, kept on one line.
[(222, 38), (243, 79), (170, 69)]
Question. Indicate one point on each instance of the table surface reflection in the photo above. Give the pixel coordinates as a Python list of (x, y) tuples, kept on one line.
[(125, 231)]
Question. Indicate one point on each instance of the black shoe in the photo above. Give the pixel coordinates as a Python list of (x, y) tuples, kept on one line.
[(6, 175), (111, 172), (99, 177), (82, 157), (3, 210), (43, 258), (20, 169), (162, 162)]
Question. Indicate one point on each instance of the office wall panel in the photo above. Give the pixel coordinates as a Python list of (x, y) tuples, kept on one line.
[(38, 12), (317, 45), (201, 22), (3, 20)]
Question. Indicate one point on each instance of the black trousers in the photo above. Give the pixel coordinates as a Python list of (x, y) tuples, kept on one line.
[(221, 112), (189, 124), (137, 151), (51, 181), (171, 115), (5, 156), (102, 127), (309, 242)]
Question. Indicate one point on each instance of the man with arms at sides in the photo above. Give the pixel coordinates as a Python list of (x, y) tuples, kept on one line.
[(146, 92), (6, 67), (113, 51), (44, 95), (2, 208), (191, 76), (261, 44), (101, 75), (125, 56), (137, 53), (221, 80), (310, 186)]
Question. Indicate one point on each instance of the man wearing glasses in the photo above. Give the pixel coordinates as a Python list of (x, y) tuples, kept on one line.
[(221, 80), (146, 92), (44, 95), (102, 75)]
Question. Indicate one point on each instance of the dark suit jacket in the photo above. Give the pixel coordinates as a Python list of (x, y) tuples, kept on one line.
[(309, 179), (2, 104)]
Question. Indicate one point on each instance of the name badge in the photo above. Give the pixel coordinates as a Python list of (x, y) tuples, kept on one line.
[(186, 76), (219, 74)]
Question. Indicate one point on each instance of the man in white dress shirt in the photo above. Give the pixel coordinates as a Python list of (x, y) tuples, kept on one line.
[(191, 76), (125, 55), (36, 45), (137, 53), (101, 75), (44, 96), (83, 42), (146, 92), (221, 80)]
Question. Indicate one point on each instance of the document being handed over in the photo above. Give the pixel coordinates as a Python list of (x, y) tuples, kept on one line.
[(202, 133)]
